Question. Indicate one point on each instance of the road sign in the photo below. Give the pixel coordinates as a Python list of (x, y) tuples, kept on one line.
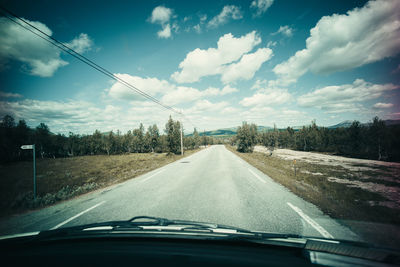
[(34, 166)]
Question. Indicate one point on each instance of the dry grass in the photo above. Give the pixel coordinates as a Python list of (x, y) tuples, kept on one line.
[(352, 205), (63, 178)]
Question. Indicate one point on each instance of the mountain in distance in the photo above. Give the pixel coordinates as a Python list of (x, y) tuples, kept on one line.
[(226, 132), (344, 124)]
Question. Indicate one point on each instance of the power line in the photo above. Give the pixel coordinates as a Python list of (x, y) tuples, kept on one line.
[(11, 16)]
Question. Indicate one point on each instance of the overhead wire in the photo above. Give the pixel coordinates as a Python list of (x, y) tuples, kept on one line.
[(11, 16)]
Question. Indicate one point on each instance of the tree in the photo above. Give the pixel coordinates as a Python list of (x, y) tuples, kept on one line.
[(172, 129), (154, 137), (138, 139), (355, 137), (42, 139), (244, 138), (196, 139), (377, 136)]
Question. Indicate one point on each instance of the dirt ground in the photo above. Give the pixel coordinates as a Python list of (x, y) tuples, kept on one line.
[(371, 175)]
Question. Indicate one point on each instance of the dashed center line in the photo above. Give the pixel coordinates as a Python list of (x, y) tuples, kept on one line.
[(77, 215), (313, 223), (258, 177)]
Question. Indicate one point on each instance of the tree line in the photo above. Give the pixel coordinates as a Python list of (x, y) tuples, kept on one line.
[(374, 140), (49, 145)]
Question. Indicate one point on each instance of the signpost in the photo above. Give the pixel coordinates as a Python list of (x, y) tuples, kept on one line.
[(34, 167)]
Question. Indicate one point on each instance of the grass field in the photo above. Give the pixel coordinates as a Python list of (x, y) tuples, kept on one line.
[(63, 178), (339, 191)]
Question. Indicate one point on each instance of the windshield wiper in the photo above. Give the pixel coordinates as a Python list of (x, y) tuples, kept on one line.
[(144, 223)]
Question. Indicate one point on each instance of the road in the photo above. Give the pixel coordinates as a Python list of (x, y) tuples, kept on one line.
[(213, 185)]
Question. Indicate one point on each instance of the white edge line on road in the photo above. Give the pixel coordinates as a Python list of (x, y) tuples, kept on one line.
[(313, 223), (77, 215), (147, 178), (256, 175)]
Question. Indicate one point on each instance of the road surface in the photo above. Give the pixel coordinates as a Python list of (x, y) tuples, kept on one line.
[(213, 185)]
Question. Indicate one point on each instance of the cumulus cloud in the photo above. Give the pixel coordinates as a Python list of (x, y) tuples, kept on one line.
[(284, 30), (267, 97), (347, 97), (260, 6), (340, 42), (9, 95), (162, 15), (199, 63), (168, 93), (227, 13), (39, 58), (206, 105), (259, 84), (54, 113), (212, 91), (165, 32), (266, 115), (247, 66), (84, 117), (81, 44), (383, 105), (151, 86)]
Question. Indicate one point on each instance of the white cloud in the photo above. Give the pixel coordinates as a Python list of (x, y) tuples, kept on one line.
[(81, 44), (259, 84), (267, 97), (84, 117), (343, 98), (165, 32), (197, 28), (227, 13), (199, 63), (247, 66), (181, 94), (267, 116), (203, 18), (340, 42), (212, 91), (9, 95), (228, 90), (260, 6), (383, 105), (39, 58), (168, 93), (205, 105), (151, 86), (285, 30), (161, 15)]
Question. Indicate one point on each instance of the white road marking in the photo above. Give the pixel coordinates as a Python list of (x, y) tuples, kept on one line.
[(147, 178), (77, 215), (313, 223), (258, 177)]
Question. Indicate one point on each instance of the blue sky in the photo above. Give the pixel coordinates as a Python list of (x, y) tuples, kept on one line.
[(220, 62)]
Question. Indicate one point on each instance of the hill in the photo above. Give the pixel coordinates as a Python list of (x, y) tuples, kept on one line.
[(226, 132)]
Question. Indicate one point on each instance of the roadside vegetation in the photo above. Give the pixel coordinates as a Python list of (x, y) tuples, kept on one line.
[(63, 178), (372, 141), (71, 165), (50, 145)]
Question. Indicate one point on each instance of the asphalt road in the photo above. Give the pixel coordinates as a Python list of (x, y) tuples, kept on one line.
[(213, 185)]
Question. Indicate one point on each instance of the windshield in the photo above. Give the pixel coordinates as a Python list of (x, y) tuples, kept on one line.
[(267, 115)]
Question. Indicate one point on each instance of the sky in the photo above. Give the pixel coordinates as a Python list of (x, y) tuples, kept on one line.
[(218, 62)]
